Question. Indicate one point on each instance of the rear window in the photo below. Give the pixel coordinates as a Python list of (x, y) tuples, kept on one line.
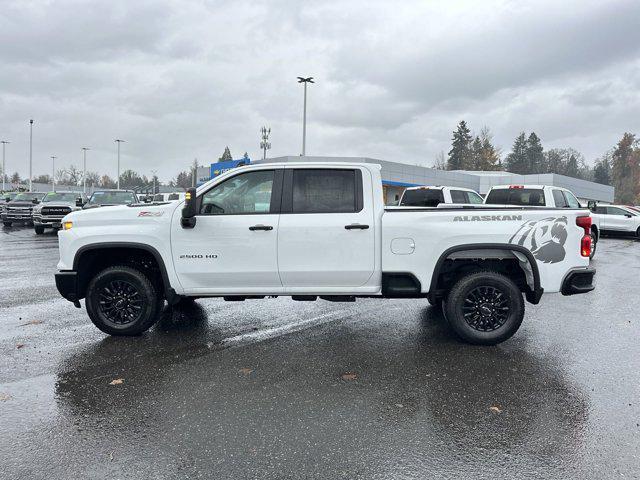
[(422, 198), (559, 199), (533, 197)]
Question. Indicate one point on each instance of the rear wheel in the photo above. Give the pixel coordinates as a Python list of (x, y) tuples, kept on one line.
[(484, 308), (594, 242), (39, 230), (122, 301)]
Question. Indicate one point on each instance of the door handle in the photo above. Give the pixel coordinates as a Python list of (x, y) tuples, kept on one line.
[(356, 226), (261, 227)]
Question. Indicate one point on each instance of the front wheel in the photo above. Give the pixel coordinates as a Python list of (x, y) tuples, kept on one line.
[(38, 230), (6, 224), (594, 242), (485, 308), (122, 301)]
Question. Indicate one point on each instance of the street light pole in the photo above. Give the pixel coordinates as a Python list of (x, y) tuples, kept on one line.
[(304, 112), (30, 154), (4, 167), (118, 141), (154, 180), (264, 144), (53, 173), (84, 169)]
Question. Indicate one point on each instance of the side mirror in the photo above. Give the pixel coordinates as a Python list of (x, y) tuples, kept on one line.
[(35, 201), (628, 215), (79, 202), (190, 209), (591, 205)]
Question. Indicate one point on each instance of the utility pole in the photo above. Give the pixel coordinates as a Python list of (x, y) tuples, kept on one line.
[(304, 112), (155, 172), (118, 141), (264, 144), (53, 173), (30, 154), (195, 173), (4, 167), (84, 169)]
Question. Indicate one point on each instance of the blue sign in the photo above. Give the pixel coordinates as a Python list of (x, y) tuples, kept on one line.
[(221, 167)]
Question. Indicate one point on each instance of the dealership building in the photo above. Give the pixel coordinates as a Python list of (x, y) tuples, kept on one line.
[(397, 176)]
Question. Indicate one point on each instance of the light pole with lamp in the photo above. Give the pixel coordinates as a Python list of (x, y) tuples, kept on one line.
[(30, 154), (53, 173), (4, 168), (304, 112), (118, 141), (84, 169)]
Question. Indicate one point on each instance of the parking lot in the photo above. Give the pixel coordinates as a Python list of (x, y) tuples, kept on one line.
[(281, 389)]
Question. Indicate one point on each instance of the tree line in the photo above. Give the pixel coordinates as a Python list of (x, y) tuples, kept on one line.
[(618, 167)]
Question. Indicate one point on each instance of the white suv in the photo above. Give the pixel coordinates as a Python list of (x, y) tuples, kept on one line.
[(434, 196), (617, 218)]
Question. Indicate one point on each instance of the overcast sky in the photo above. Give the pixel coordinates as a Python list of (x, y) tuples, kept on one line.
[(179, 80)]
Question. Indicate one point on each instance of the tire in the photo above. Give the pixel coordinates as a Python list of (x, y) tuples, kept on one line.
[(7, 224), (484, 308), (124, 286), (638, 232), (39, 230)]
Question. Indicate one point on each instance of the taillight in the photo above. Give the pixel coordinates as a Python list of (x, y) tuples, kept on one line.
[(585, 243), (516, 186), (585, 246)]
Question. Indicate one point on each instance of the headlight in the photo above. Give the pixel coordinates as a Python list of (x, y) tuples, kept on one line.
[(67, 225)]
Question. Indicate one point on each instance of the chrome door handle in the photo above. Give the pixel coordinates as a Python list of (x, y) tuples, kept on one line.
[(261, 227), (356, 226)]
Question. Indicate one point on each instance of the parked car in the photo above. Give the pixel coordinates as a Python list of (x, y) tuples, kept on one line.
[(168, 197), (433, 196), (54, 206), (618, 219), (105, 198), (5, 198), (19, 210), (322, 232), (540, 196)]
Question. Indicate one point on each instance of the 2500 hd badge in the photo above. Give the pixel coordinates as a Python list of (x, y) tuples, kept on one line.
[(198, 256)]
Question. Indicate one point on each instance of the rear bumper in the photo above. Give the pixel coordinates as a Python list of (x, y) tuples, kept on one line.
[(580, 280), (67, 285)]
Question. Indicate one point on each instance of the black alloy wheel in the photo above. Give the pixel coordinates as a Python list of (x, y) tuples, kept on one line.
[(486, 308), (120, 302)]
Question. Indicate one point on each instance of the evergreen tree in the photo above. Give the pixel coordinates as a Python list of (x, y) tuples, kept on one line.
[(476, 155), (517, 161), (245, 156), (226, 155), (535, 154), (554, 161), (602, 170), (489, 155), (15, 178), (460, 153), (625, 171), (572, 167)]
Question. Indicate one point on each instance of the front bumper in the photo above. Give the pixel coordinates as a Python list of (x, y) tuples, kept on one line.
[(16, 217), (67, 285), (579, 280), (48, 220)]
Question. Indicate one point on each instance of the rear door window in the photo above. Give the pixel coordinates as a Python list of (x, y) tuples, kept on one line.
[(424, 197), (559, 199), (527, 197), (572, 201), (459, 196), (324, 191)]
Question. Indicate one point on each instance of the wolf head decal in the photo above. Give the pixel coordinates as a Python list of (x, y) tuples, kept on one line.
[(545, 238)]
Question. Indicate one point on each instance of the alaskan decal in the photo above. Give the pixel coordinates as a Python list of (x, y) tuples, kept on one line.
[(545, 238), (487, 218)]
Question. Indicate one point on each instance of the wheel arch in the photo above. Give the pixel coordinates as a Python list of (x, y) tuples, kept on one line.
[(533, 292), (86, 261)]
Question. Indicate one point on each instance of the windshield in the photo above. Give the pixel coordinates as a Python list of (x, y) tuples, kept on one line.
[(59, 197), (111, 198), (533, 197), (10, 196), (27, 197), (422, 198)]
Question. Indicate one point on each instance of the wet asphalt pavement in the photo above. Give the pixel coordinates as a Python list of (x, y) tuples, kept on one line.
[(281, 389)]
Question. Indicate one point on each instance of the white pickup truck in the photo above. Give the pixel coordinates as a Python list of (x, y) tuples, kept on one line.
[(541, 196), (429, 196), (309, 230)]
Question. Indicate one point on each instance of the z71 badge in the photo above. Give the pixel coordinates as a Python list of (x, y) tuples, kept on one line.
[(151, 214)]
